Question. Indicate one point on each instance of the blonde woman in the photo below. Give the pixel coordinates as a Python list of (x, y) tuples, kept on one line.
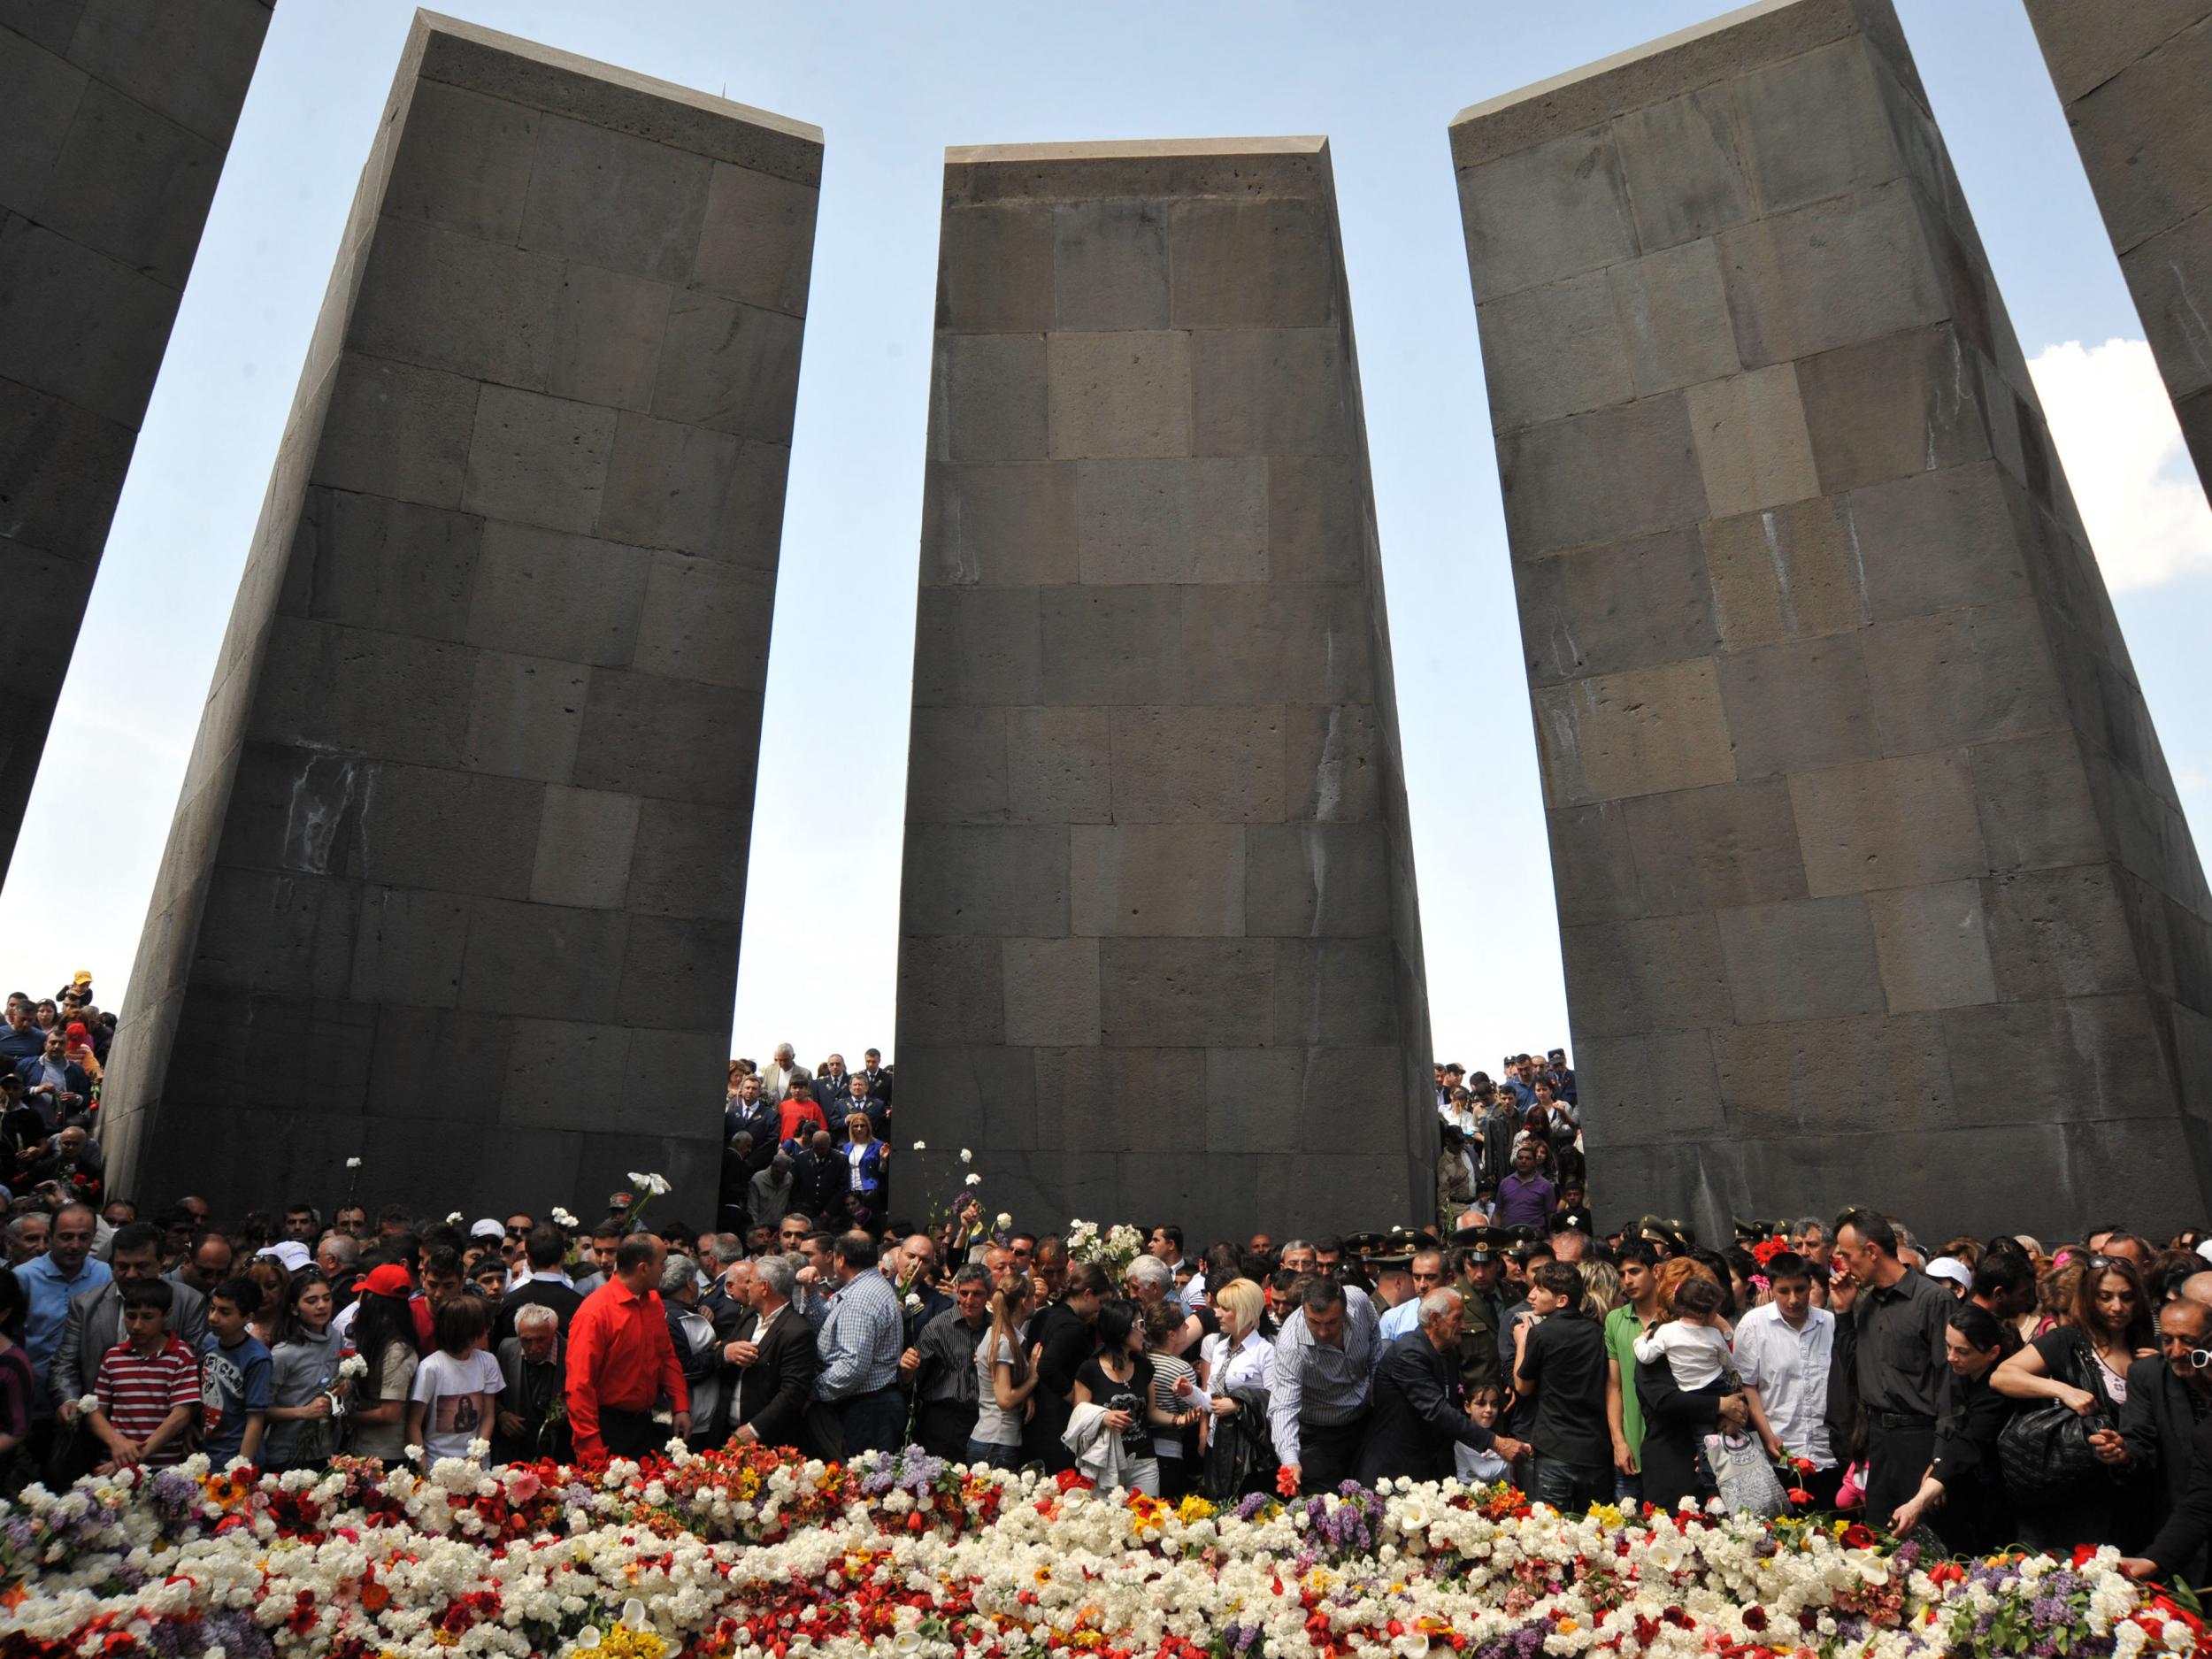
[(1601, 1288), (1240, 1455)]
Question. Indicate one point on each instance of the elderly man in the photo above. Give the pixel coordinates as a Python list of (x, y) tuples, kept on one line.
[(338, 1258), (775, 1078), (776, 1365), (859, 1344), (26, 1237), (1420, 1410), (941, 1367), (1319, 1382), (1151, 1283), (533, 1362)]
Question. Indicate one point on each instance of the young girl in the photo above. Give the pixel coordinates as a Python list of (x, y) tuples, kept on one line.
[(305, 1391), (1693, 1342), (450, 1403), (1484, 1403), (1006, 1376), (1118, 1377), (1174, 1391), (384, 1336)]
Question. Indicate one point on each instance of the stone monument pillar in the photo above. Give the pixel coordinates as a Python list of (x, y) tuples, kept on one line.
[(2137, 84), (1873, 881), (455, 881), (1160, 956), (115, 117)]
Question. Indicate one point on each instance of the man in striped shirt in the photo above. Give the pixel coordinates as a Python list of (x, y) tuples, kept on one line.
[(149, 1385)]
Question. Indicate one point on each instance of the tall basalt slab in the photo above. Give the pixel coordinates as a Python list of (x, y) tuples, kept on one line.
[(1160, 954), (1873, 884), (2133, 80), (115, 120), (454, 883)]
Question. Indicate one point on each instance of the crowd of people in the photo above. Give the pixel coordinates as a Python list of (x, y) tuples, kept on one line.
[(1970, 1393)]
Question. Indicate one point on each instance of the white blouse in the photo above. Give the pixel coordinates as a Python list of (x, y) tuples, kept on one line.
[(1246, 1368)]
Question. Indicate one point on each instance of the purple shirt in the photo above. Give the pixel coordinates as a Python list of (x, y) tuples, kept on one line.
[(1522, 1203)]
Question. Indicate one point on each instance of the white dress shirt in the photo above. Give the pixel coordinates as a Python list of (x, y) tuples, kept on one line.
[(1789, 1367)]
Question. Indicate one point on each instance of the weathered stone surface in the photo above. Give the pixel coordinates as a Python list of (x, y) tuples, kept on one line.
[(1865, 854), (478, 766), (2133, 87), (1157, 922), (114, 123)]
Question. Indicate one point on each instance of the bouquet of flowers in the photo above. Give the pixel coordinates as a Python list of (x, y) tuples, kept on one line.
[(1113, 1250)]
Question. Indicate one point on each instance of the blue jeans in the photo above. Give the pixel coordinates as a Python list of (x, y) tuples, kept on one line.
[(1569, 1486), (1628, 1488), (875, 1422), (996, 1456)]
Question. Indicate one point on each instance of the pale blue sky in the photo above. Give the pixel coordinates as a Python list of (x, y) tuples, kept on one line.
[(892, 85)]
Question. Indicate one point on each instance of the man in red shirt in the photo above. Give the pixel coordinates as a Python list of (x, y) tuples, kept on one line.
[(621, 1361)]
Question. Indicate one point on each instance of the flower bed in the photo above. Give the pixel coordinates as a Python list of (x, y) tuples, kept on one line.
[(756, 1554)]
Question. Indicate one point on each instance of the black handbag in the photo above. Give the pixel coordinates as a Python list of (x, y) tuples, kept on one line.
[(2044, 1451)]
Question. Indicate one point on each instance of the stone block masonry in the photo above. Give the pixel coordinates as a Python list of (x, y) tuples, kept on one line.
[(2133, 80), (1160, 956), (115, 119), (456, 879), (1873, 884)]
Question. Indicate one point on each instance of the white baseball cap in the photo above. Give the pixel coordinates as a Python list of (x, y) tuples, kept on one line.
[(291, 1254), (1951, 1268)]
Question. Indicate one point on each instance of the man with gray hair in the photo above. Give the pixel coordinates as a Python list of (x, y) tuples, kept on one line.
[(1420, 1411), (774, 1368), (531, 1361), (693, 1334)]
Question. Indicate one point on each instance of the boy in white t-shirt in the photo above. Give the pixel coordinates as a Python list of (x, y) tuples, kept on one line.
[(450, 1401)]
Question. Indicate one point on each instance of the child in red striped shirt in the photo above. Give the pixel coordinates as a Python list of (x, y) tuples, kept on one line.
[(148, 1385)]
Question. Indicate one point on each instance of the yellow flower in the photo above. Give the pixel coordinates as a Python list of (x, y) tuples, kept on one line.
[(1608, 1515), (622, 1642), (1194, 1508)]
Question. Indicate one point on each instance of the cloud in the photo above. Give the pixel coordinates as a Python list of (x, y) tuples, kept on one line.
[(2116, 434)]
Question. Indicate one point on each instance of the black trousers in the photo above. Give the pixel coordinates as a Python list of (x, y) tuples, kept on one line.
[(943, 1426), (1822, 1483), (1897, 1453), (1327, 1453), (630, 1433)]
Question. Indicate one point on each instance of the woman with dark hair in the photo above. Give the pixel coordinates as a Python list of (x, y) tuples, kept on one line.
[(18, 1385), (305, 1390), (1964, 1485), (1118, 1377), (384, 1336), (2084, 1365)]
